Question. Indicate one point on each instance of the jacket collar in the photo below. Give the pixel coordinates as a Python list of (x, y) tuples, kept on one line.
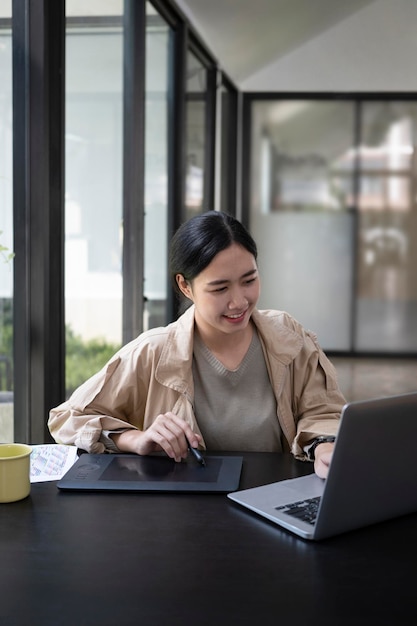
[(281, 342), (178, 344)]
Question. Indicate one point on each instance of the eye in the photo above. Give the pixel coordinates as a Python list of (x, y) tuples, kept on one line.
[(250, 280)]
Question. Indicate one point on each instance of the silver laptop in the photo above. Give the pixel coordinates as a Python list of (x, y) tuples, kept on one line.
[(372, 476)]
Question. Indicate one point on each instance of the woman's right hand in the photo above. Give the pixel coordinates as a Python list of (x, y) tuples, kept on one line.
[(168, 433)]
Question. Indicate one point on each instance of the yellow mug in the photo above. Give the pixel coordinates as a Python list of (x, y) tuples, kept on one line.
[(14, 471)]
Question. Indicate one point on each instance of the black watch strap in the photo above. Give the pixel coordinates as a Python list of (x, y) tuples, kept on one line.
[(317, 442)]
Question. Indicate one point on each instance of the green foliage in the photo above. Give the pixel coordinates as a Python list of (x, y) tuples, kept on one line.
[(6, 326), (6, 344), (84, 358), (5, 252)]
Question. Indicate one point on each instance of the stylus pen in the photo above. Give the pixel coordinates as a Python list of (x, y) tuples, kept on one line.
[(196, 453)]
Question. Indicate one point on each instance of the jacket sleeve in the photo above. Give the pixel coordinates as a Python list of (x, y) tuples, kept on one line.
[(110, 400), (317, 399)]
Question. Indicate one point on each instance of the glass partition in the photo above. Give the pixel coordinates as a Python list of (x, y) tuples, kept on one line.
[(301, 196), (387, 237), (6, 225)]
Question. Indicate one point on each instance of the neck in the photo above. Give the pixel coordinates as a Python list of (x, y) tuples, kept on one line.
[(234, 346)]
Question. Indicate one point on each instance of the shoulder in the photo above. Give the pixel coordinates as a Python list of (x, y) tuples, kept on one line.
[(282, 333), (157, 340), (277, 321), (153, 338)]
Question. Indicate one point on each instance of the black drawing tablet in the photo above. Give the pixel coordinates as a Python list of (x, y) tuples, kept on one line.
[(130, 472)]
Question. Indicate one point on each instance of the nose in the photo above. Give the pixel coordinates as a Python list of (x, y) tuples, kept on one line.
[(237, 300)]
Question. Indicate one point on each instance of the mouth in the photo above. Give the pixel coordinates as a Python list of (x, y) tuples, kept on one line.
[(236, 317)]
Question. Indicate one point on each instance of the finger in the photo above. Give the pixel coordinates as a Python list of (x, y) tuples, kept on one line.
[(193, 438), (169, 436), (181, 429)]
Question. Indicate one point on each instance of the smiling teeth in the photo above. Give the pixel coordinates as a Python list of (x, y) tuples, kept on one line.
[(235, 316)]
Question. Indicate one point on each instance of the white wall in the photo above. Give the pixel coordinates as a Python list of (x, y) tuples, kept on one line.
[(374, 50)]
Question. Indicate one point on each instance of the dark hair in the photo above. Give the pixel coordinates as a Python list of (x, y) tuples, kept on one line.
[(197, 241)]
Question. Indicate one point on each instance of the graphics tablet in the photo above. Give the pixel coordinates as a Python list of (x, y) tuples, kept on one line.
[(130, 472)]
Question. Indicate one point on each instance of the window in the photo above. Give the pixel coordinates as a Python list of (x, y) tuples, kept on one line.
[(158, 45), (105, 279), (195, 135), (93, 196), (6, 226)]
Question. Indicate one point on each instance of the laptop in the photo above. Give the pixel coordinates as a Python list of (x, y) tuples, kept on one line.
[(372, 476)]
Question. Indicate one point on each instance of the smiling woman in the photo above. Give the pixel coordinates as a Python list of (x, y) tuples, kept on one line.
[(224, 295), (172, 386)]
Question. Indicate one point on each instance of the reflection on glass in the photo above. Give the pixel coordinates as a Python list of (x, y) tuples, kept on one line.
[(387, 246), (195, 135), (301, 190), (6, 228), (93, 195), (156, 169), (301, 149)]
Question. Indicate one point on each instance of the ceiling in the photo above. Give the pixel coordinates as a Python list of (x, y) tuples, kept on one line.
[(246, 35)]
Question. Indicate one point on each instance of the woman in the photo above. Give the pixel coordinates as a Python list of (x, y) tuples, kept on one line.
[(224, 376)]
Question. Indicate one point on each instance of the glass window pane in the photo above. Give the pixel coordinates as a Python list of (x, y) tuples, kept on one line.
[(6, 227), (158, 35), (387, 244), (93, 198), (195, 135), (301, 192)]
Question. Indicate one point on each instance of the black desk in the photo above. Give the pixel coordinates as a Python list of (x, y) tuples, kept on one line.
[(81, 559)]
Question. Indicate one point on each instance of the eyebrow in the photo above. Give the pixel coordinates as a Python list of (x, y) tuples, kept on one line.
[(220, 281)]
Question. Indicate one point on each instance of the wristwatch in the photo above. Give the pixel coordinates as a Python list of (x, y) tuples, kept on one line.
[(316, 442)]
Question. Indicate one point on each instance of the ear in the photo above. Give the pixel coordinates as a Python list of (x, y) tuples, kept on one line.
[(184, 286)]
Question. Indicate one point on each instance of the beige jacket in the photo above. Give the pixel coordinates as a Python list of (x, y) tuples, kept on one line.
[(153, 375)]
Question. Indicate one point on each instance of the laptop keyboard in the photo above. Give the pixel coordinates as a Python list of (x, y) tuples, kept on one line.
[(305, 510)]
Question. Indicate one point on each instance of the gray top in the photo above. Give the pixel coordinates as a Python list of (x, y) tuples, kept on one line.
[(235, 410)]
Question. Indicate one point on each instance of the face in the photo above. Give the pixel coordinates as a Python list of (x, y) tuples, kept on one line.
[(225, 292)]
